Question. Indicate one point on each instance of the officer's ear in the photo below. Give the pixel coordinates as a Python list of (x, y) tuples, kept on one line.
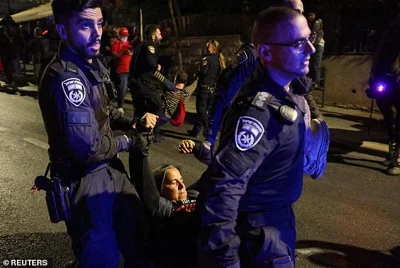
[(62, 32), (264, 51)]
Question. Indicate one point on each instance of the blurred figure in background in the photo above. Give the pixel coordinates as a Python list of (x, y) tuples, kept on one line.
[(122, 51)]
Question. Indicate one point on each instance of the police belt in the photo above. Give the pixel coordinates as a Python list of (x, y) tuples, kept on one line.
[(73, 171), (250, 220), (205, 89)]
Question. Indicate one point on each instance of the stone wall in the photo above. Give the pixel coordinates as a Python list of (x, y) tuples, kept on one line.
[(192, 50), (346, 80), (346, 75)]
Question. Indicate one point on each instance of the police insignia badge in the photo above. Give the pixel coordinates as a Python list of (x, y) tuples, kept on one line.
[(152, 49), (74, 91), (240, 57), (248, 132)]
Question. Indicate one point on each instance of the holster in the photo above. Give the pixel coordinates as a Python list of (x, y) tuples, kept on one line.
[(58, 195)]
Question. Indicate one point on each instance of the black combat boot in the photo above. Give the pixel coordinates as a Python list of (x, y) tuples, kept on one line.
[(390, 156), (394, 167)]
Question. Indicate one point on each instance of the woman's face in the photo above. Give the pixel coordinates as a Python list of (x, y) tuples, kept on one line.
[(211, 49), (174, 189)]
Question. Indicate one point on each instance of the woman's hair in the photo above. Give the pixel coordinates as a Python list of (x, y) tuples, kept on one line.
[(159, 175), (221, 57)]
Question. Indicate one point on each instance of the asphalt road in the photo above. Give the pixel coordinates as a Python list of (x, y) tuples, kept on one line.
[(349, 218)]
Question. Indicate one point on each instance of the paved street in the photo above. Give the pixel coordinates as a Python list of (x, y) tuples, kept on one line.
[(348, 218)]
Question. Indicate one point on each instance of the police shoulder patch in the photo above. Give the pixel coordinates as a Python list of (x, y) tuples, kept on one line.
[(204, 62), (74, 91), (151, 49), (248, 133), (240, 57)]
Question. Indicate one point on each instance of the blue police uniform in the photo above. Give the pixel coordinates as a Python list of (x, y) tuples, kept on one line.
[(233, 77), (208, 74), (257, 174), (228, 83), (79, 120)]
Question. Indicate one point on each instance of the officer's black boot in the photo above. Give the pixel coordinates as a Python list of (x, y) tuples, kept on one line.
[(195, 131), (394, 167), (390, 156)]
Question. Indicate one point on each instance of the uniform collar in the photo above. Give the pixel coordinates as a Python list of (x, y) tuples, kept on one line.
[(267, 84)]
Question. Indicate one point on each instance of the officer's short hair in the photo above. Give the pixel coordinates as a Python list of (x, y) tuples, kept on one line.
[(151, 29), (265, 25), (62, 9), (181, 77)]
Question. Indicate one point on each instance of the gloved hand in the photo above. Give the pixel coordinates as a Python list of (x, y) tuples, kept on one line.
[(203, 152), (138, 142)]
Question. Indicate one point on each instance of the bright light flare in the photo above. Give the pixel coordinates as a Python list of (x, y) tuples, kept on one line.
[(381, 88)]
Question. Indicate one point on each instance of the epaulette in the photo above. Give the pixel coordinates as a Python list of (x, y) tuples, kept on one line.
[(69, 66), (261, 100)]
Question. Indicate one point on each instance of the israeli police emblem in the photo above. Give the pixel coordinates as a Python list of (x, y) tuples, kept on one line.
[(152, 49), (240, 57), (248, 132), (74, 91)]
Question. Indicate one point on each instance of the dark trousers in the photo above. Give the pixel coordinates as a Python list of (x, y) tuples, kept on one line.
[(123, 85), (7, 66), (145, 100), (391, 117), (271, 245), (203, 105), (315, 63), (104, 214)]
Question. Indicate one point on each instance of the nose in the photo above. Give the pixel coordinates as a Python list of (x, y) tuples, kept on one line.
[(310, 48), (181, 185), (97, 32)]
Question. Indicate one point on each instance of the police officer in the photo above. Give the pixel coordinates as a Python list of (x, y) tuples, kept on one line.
[(256, 175), (233, 77), (209, 70), (78, 117), (145, 77)]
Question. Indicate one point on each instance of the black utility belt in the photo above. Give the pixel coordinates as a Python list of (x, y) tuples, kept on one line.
[(207, 89)]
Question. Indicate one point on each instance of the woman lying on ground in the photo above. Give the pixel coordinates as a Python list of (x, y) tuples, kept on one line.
[(171, 212)]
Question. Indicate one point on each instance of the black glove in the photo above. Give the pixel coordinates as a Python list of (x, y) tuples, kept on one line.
[(203, 152), (138, 142)]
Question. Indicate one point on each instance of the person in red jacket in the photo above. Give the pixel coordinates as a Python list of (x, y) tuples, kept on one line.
[(122, 51)]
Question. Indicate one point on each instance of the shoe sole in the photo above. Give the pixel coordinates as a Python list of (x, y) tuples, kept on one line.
[(323, 150)]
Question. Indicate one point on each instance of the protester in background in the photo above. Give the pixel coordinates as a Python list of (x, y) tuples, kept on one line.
[(37, 47), (316, 25), (6, 55), (174, 103), (122, 51), (106, 42)]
